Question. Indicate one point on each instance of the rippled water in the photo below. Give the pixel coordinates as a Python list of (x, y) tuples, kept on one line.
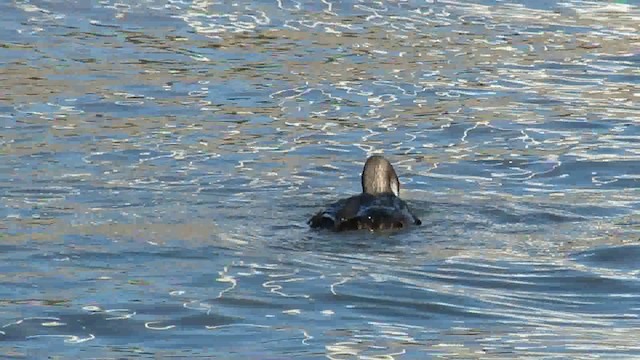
[(159, 159)]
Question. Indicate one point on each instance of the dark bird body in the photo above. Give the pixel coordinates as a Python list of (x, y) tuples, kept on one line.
[(378, 207)]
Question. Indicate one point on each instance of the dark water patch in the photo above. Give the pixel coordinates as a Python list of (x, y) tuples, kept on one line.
[(86, 257), (580, 172), (508, 216), (406, 302), (246, 301), (573, 125), (41, 193), (548, 281), (623, 258)]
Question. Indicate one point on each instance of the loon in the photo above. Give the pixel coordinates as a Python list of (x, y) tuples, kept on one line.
[(378, 207)]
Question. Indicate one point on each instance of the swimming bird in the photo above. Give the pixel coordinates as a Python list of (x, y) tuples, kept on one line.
[(378, 207)]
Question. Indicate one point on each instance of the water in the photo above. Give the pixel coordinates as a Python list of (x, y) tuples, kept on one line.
[(159, 160)]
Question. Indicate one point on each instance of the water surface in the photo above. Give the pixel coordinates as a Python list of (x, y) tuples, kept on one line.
[(159, 160)]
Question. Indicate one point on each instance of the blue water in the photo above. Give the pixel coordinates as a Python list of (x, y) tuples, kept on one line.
[(159, 160)]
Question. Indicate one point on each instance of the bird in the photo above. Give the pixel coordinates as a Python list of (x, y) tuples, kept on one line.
[(378, 207)]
